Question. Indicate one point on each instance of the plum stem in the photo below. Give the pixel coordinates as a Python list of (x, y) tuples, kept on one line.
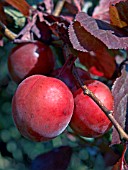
[(59, 7), (123, 135), (6, 32)]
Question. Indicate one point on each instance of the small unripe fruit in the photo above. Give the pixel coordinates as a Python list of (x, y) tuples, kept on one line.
[(42, 107), (88, 119), (27, 59)]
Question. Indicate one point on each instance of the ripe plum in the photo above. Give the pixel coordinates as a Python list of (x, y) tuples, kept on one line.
[(31, 58), (88, 119), (42, 107)]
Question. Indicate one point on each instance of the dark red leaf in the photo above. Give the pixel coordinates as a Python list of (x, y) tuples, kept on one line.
[(86, 28), (83, 40), (42, 25), (120, 94), (110, 156), (3, 16), (58, 26), (74, 6), (121, 164), (71, 8), (57, 159), (100, 63), (42, 31), (20, 5)]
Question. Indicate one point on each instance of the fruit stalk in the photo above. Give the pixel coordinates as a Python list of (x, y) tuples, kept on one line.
[(123, 135)]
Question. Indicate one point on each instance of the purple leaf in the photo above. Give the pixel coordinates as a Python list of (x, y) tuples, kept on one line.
[(82, 34), (57, 159), (120, 94), (42, 26), (25, 33), (102, 10), (86, 28)]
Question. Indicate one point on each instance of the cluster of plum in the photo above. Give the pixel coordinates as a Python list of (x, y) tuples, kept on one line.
[(43, 106)]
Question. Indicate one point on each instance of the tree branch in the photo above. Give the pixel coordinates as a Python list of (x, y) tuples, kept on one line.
[(123, 135)]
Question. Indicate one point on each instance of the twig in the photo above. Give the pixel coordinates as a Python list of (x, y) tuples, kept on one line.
[(59, 7), (123, 135), (6, 32)]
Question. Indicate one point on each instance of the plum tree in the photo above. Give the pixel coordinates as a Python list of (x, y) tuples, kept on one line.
[(30, 58), (42, 107), (88, 119)]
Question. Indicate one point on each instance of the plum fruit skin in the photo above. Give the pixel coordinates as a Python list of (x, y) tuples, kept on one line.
[(88, 119), (31, 58), (42, 107)]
